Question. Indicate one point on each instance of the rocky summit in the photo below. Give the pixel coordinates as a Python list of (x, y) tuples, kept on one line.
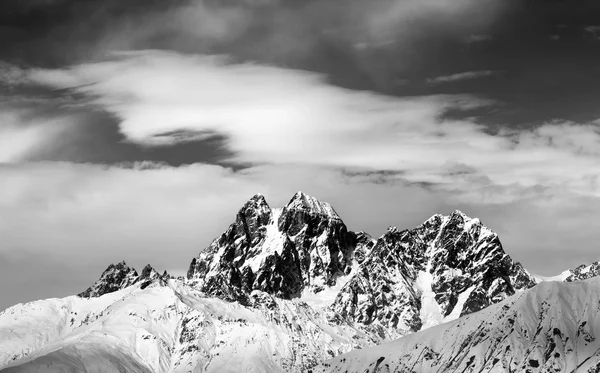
[(447, 267), (281, 251), (115, 277), (120, 276), (403, 282)]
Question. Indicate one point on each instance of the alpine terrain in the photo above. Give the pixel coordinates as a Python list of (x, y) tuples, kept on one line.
[(286, 289), (551, 328)]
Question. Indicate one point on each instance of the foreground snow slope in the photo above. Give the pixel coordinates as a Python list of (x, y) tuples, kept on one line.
[(550, 328), (168, 329)]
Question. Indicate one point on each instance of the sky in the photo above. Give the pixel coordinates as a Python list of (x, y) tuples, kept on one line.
[(135, 130)]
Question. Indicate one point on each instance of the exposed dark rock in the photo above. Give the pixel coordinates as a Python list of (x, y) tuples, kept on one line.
[(114, 278), (583, 272), (281, 251), (449, 256)]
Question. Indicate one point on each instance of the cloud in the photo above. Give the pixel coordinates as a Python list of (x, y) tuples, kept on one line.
[(23, 131), (469, 75), (11, 75), (272, 115), (592, 29)]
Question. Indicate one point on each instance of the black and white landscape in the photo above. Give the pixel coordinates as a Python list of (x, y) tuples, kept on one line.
[(299, 186), (285, 289)]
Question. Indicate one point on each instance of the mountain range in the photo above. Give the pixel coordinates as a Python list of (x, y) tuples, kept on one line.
[(292, 289)]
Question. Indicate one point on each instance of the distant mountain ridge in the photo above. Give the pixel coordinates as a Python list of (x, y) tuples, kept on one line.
[(289, 274)]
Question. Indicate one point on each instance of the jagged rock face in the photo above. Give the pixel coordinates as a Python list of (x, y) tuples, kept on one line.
[(583, 272), (364, 246), (150, 275), (119, 276), (445, 268), (324, 245), (114, 278), (278, 251)]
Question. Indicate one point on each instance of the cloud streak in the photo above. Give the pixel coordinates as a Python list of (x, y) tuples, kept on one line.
[(469, 75)]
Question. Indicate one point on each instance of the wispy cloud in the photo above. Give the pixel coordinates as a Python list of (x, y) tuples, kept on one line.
[(272, 115), (10, 74), (23, 131), (593, 30), (469, 75)]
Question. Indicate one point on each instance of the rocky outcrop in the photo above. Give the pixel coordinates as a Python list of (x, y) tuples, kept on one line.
[(114, 278), (447, 267), (150, 275), (278, 251), (583, 272), (364, 246), (120, 276)]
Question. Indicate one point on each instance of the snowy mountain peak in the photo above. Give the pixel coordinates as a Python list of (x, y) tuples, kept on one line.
[(413, 279), (115, 277), (392, 229), (150, 274), (280, 251), (304, 202), (459, 214), (435, 219), (257, 201)]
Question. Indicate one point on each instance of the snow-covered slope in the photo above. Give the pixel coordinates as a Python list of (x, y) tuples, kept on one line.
[(169, 328), (550, 328)]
